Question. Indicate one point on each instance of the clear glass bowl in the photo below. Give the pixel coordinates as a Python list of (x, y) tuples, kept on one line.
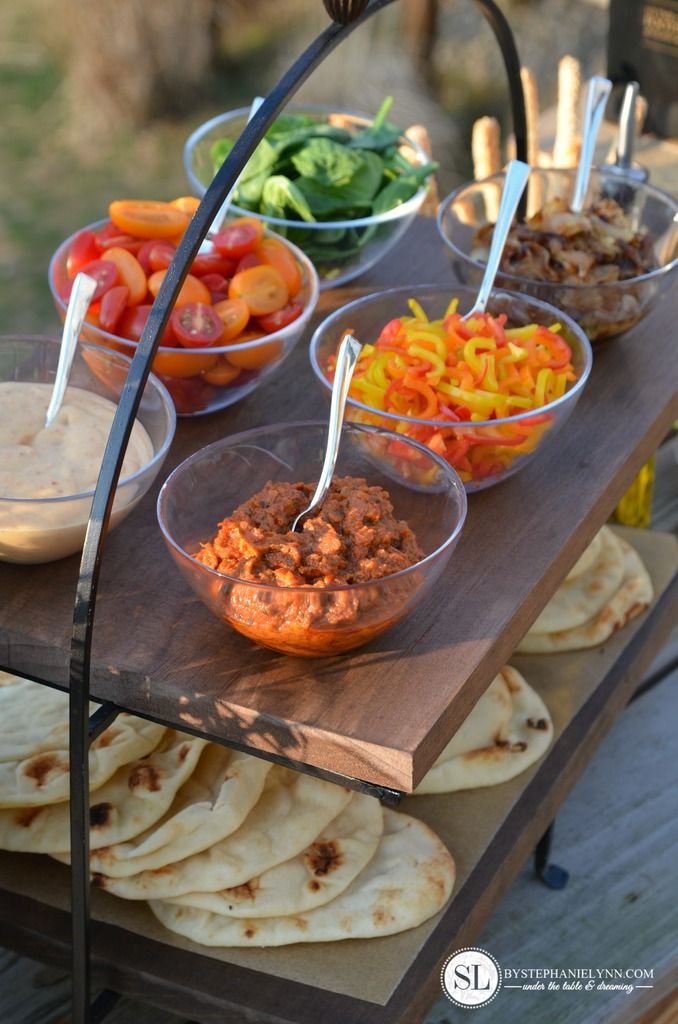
[(310, 621), (181, 369), (602, 310), (45, 529), (492, 463), (366, 239)]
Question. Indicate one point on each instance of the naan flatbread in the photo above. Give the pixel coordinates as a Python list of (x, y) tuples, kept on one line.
[(34, 757), (409, 879), (499, 757), (292, 811), (211, 805), (311, 879), (588, 556), (577, 600), (633, 596), (137, 795)]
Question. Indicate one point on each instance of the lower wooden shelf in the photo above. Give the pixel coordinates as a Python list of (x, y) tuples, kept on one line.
[(393, 980)]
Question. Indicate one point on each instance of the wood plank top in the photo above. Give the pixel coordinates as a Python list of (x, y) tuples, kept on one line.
[(383, 713)]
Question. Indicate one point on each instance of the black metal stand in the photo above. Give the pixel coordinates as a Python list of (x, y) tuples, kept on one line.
[(550, 874), (82, 731)]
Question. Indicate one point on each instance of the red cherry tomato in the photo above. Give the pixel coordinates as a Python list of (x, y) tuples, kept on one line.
[(196, 325), (213, 263), (218, 286), (109, 235), (188, 394), (161, 255), (133, 321), (280, 318), (83, 250), (252, 259), (144, 255), (239, 237), (113, 306), (104, 272)]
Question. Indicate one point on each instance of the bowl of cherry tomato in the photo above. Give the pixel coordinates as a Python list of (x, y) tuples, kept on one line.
[(240, 311)]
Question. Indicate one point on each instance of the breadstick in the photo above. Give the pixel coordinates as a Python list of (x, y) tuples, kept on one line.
[(485, 147), (531, 114), (566, 147), (419, 134)]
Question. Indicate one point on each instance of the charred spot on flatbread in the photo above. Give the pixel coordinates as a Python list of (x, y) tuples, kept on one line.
[(99, 881), (25, 817), (100, 815), (144, 776), (183, 752), (246, 891), (323, 857), (39, 768)]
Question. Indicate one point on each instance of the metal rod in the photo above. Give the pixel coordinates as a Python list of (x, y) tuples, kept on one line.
[(103, 1004), (102, 718), (93, 550), (550, 874)]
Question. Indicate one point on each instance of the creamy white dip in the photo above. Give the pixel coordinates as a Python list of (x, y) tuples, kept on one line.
[(56, 462)]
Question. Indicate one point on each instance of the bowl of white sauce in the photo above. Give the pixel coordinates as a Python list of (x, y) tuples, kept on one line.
[(48, 475)]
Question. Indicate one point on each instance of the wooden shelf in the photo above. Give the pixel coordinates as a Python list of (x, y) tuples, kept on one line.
[(384, 713), (491, 833)]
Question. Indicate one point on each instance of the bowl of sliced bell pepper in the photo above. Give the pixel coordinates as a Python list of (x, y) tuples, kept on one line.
[(485, 393)]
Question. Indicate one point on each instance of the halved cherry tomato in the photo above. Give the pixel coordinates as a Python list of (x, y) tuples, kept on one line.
[(212, 263), (144, 254), (104, 272), (196, 325), (262, 288), (130, 273), (192, 290), (239, 237), (234, 315), (250, 260), (147, 218), (187, 204), (218, 286), (133, 321), (192, 395), (278, 255), (259, 355), (281, 317), (113, 306), (222, 373), (83, 250), (184, 362), (110, 236), (161, 255)]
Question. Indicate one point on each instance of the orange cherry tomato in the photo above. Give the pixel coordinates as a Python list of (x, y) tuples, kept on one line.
[(148, 218), (222, 373), (262, 288), (235, 315), (187, 204), (130, 273), (259, 355), (183, 363), (192, 290), (276, 254)]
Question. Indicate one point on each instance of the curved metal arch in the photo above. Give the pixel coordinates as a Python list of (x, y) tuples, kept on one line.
[(102, 503)]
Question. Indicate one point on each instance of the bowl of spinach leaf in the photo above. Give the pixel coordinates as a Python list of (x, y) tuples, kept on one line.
[(342, 186)]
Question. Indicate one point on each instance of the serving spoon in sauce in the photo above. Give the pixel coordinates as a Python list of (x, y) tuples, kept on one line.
[(517, 174), (347, 357), (83, 289)]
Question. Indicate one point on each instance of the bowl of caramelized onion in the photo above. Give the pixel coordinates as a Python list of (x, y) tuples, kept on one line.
[(605, 267)]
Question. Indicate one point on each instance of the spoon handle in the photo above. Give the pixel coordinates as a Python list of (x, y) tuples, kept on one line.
[(596, 99), (627, 126), (515, 180), (83, 289), (349, 350)]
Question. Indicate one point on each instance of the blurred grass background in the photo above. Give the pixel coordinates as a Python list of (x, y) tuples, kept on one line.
[(98, 98)]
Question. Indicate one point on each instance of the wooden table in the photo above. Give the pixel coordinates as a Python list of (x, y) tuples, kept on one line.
[(384, 713)]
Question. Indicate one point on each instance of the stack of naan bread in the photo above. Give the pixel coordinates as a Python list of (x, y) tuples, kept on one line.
[(507, 731), (604, 589), (229, 849)]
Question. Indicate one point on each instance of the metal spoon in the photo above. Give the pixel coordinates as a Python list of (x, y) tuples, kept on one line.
[(623, 190), (83, 289), (206, 245), (349, 350), (596, 99), (517, 174)]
